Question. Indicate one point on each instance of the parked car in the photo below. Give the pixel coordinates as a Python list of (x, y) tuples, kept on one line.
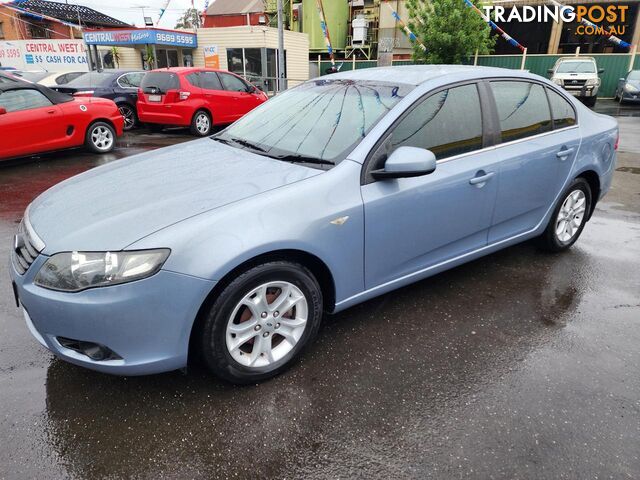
[(195, 97), (35, 119), (48, 79), (579, 77), (121, 86), (628, 89), (338, 190)]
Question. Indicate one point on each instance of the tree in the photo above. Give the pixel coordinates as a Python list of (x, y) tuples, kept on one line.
[(451, 31), (190, 19)]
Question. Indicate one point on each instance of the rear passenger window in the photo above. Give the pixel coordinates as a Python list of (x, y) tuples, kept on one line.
[(523, 109), (233, 83), (448, 123), (210, 81), (563, 113), (23, 99), (194, 79)]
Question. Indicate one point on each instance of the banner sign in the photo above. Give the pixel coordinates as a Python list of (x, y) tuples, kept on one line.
[(211, 56), (141, 36), (50, 55)]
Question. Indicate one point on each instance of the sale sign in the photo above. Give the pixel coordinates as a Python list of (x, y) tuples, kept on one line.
[(50, 55)]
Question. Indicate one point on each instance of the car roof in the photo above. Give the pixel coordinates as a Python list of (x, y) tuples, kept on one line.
[(418, 74), (183, 70)]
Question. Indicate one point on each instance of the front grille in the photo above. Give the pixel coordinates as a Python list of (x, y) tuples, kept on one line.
[(26, 253), (574, 83)]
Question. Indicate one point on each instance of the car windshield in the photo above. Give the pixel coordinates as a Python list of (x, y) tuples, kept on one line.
[(90, 79), (318, 122), (33, 76), (576, 67), (635, 75)]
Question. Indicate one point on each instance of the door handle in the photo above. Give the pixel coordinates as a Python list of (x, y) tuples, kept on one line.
[(477, 180), (563, 154), (51, 111)]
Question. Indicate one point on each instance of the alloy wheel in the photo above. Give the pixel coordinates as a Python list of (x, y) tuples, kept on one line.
[(102, 137), (128, 115), (202, 123), (570, 216), (267, 324)]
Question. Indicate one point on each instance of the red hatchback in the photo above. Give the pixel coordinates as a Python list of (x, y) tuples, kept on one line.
[(195, 97)]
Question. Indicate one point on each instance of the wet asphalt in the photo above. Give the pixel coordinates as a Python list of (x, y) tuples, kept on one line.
[(522, 364)]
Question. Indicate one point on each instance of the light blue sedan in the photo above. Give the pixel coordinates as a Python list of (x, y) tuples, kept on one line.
[(336, 191)]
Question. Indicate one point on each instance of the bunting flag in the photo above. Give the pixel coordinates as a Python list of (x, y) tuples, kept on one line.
[(495, 27), (325, 32), (162, 10), (587, 23), (204, 11), (405, 28)]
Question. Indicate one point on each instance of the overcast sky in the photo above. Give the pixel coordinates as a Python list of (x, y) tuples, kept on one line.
[(129, 11)]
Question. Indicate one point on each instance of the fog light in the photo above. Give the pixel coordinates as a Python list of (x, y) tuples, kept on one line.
[(92, 350)]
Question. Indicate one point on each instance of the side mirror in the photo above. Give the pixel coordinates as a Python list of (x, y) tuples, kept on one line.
[(407, 162), (622, 79), (601, 70), (550, 71), (3, 110)]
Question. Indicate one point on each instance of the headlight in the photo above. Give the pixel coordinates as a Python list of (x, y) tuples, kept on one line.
[(630, 88), (557, 81), (592, 81), (75, 271)]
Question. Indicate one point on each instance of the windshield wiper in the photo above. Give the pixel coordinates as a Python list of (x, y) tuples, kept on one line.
[(302, 159), (248, 144)]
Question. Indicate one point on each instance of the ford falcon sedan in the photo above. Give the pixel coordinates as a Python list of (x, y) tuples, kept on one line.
[(343, 188)]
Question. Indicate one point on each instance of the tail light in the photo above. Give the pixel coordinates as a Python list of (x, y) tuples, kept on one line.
[(615, 146), (84, 93), (182, 95)]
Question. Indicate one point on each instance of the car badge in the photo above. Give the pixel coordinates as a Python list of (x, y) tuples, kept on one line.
[(83, 108), (340, 220), (18, 242)]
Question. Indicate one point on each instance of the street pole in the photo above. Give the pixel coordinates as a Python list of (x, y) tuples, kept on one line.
[(280, 48)]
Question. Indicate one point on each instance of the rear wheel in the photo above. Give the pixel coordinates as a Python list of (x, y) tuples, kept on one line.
[(100, 137), (261, 322), (569, 217), (129, 115), (201, 124)]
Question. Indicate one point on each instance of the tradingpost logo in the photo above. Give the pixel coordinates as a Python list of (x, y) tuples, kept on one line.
[(590, 17)]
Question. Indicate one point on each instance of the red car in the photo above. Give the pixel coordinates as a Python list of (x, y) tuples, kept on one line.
[(195, 97), (36, 119)]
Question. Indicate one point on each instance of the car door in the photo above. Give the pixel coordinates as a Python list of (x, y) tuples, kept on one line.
[(31, 124), (244, 98), (412, 224), (219, 101), (535, 159)]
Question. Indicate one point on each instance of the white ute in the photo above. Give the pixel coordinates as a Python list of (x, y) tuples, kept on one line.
[(579, 77)]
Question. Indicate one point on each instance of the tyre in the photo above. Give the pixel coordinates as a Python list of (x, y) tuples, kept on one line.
[(590, 101), (569, 217), (260, 323), (100, 137), (130, 116), (201, 124)]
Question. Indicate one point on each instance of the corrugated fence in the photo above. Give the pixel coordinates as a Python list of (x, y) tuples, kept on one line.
[(615, 65)]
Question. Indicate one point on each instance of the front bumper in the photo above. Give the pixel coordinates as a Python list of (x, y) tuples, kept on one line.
[(585, 91), (631, 97), (147, 322)]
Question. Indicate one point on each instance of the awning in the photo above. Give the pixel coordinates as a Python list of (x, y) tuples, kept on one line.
[(141, 36)]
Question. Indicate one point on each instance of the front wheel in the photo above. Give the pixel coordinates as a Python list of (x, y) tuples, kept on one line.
[(569, 217), (260, 323), (201, 124), (100, 137)]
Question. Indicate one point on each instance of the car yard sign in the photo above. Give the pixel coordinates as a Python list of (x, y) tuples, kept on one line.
[(141, 36), (51, 55)]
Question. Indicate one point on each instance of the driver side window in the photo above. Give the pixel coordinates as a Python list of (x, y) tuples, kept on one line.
[(448, 123)]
